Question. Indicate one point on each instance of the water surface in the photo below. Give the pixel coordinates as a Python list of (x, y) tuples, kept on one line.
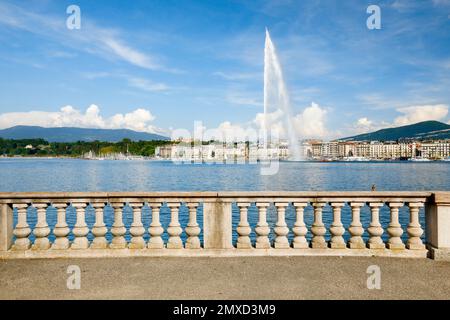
[(83, 175), (28, 175)]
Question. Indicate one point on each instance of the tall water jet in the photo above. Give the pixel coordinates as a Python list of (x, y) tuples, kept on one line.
[(276, 99)]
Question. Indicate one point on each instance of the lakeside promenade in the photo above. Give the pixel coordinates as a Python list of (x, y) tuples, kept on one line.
[(35, 259), (248, 278)]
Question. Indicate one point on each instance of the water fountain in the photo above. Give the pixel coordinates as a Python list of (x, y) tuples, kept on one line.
[(276, 99)]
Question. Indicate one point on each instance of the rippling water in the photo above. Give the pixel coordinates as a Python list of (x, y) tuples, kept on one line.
[(27, 175)]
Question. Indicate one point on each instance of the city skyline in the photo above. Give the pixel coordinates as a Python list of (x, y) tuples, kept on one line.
[(160, 66)]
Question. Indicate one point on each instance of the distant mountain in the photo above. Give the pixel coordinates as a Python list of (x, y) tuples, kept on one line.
[(426, 130), (67, 134)]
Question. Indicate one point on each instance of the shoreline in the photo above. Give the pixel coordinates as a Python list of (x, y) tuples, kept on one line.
[(223, 162)]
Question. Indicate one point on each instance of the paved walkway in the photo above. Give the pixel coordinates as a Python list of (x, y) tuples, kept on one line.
[(225, 278)]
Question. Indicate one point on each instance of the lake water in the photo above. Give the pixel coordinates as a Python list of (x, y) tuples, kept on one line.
[(28, 175)]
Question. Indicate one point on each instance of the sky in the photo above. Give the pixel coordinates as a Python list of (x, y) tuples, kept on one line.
[(164, 65)]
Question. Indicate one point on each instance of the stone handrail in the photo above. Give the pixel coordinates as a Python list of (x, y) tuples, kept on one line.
[(19, 240)]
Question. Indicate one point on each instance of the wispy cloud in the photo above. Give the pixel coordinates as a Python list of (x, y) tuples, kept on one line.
[(308, 54), (244, 99), (96, 75), (147, 85), (441, 2), (239, 75), (23, 61), (61, 54), (91, 38), (130, 55), (404, 5), (378, 101), (142, 84)]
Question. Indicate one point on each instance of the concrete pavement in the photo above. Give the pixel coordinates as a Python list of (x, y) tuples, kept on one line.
[(303, 277)]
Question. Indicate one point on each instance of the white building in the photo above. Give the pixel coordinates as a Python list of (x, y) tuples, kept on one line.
[(435, 149)]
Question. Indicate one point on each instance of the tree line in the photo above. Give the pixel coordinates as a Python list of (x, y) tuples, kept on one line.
[(41, 147)]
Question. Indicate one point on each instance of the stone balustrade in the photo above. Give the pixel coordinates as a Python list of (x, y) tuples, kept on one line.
[(211, 223)]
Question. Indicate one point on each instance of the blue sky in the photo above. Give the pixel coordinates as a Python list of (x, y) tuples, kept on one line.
[(177, 62)]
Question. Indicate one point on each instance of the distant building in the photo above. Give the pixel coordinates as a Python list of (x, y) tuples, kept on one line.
[(435, 149), (310, 149), (346, 149), (163, 152)]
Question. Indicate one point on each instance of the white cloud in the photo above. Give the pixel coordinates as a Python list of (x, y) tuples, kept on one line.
[(310, 123), (411, 115), (273, 121), (364, 125), (364, 122), (227, 131), (416, 114), (138, 120)]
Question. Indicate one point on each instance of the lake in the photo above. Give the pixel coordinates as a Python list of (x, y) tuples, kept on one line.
[(26, 175)]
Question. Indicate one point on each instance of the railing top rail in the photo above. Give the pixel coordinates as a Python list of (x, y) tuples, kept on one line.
[(328, 196), (317, 196), (138, 194), (441, 197), (102, 196)]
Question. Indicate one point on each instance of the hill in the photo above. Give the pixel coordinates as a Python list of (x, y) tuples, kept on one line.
[(68, 134), (426, 130)]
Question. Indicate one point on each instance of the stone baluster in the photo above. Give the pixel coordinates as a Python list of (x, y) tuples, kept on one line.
[(80, 230), (281, 229), (375, 229), (137, 228), (192, 228), (262, 228), (243, 229), (300, 229), (337, 230), (174, 229), (155, 229), (99, 229), (41, 230), (395, 229), (318, 228), (356, 229), (61, 230), (22, 230), (414, 229), (118, 229)]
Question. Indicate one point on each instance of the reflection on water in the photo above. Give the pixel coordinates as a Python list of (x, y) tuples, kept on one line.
[(28, 175)]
